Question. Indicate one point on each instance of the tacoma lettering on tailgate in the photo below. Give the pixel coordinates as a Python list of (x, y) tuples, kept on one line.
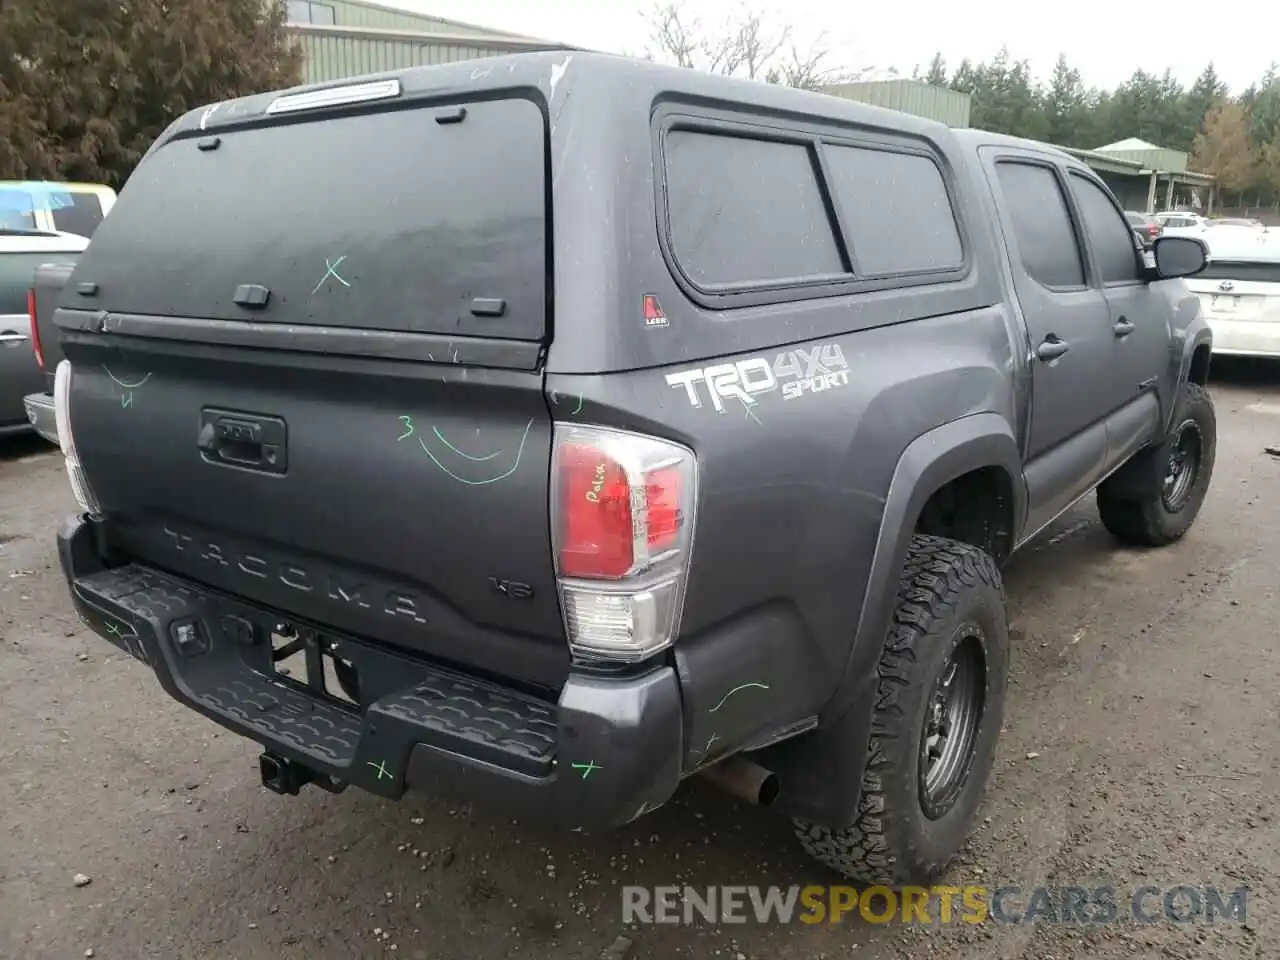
[(335, 586)]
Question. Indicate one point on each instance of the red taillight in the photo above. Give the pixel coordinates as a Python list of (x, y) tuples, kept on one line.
[(596, 539), (35, 329), (622, 526), (1153, 229), (662, 500), (598, 529)]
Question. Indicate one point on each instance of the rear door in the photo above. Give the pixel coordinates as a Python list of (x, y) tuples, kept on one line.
[(1070, 335), (317, 383)]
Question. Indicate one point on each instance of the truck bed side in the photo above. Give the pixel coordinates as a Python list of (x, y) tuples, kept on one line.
[(50, 283)]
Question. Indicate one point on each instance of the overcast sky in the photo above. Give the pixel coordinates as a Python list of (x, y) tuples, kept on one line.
[(1106, 39)]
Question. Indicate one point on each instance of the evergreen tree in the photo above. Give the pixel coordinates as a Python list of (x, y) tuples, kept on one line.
[(1065, 106), (1204, 95), (937, 72), (1264, 113), (89, 84)]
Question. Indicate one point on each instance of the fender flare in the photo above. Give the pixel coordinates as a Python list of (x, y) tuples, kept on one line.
[(1201, 337), (822, 771), (929, 462)]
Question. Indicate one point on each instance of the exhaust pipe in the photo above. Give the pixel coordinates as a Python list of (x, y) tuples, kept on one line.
[(745, 780)]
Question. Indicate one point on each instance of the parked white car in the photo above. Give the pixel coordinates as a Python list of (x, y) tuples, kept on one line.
[(1180, 222), (1239, 292)]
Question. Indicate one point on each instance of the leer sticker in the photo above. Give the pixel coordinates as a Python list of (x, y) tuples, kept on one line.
[(654, 315)]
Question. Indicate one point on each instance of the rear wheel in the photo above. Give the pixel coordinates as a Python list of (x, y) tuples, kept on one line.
[(1182, 468), (939, 704)]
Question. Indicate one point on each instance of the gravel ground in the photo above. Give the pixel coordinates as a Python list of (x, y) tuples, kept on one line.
[(1140, 735)]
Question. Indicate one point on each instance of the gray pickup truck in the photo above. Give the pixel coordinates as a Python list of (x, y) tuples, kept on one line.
[(48, 281), (610, 424), (26, 394)]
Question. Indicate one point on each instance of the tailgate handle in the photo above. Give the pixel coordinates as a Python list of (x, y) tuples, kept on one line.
[(246, 440)]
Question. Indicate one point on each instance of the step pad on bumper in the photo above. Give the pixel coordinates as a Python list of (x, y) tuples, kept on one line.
[(144, 611)]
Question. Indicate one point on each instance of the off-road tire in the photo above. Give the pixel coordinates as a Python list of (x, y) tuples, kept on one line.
[(946, 589), (1144, 519)]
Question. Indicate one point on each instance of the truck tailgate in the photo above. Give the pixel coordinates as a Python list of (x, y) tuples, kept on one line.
[(347, 444), (399, 508)]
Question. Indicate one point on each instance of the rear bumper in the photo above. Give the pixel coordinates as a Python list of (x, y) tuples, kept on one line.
[(607, 751), (1245, 338), (40, 412)]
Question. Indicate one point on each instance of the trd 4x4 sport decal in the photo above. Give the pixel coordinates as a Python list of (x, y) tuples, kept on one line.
[(798, 372)]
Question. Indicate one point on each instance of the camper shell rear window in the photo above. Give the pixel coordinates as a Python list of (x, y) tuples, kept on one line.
[(405, 220)]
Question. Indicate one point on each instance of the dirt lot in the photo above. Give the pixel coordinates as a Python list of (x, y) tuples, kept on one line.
[(1140, 749)]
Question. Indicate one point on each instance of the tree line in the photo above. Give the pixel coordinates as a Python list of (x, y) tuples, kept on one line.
[(1235, 137)]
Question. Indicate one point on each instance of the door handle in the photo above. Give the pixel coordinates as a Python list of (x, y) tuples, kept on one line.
[(246, 440), (1123, 327), (1052, 348), (12, 336)]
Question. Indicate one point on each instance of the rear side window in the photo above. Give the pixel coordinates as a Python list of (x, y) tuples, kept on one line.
[(896, 209), (17, 209), (1041, 224), (747, 212), (381, 221), (79, 214), (1111, 238)]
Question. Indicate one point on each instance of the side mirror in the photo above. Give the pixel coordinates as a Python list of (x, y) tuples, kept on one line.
[(1179, 257)]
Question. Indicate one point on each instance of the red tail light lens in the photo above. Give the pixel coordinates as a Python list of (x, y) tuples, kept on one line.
[(623, 507), (599, 530), (35, 329), (662, 503), (595, 513)]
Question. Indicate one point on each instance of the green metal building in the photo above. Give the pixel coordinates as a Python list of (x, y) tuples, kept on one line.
[(908, 96), (1163, 174), (347, 38)]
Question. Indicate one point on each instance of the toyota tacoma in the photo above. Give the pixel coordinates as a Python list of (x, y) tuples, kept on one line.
[(577, 425)]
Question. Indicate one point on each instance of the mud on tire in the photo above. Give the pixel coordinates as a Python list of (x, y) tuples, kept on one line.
[(1166, 511), (950, 603)]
